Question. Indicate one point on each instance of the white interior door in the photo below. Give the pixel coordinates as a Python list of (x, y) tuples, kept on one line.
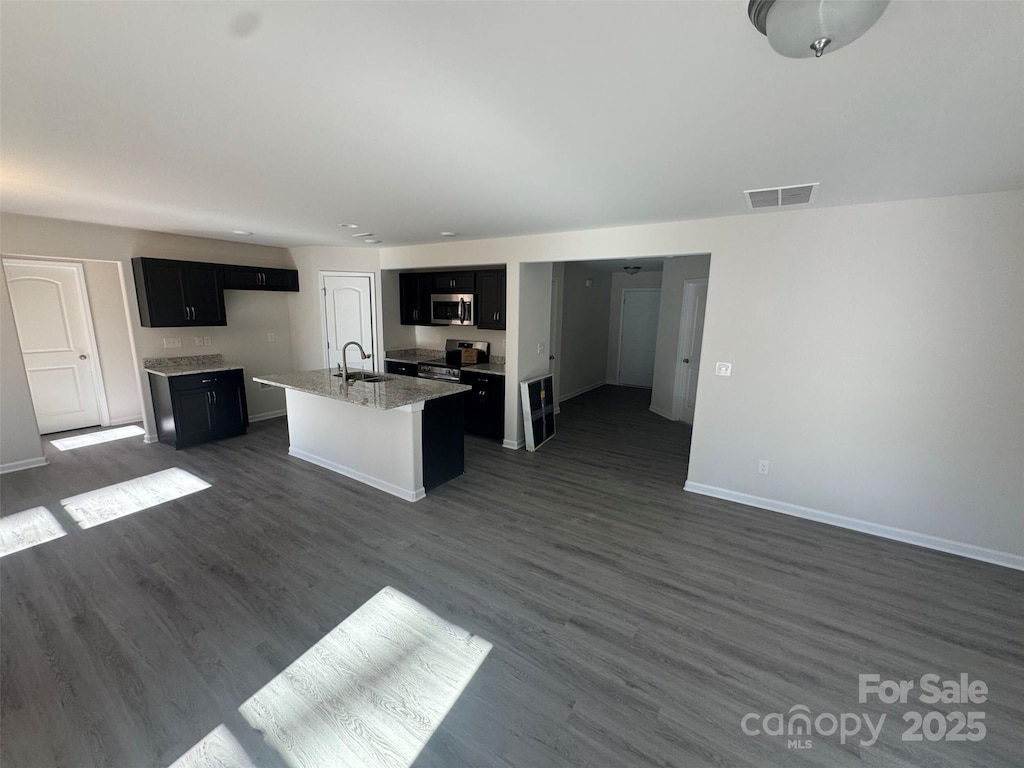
[(348, 315), (691, 334), (638, 335), (51, 312)]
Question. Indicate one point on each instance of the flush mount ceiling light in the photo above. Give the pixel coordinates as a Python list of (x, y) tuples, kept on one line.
[(449, 234), (631, 270), (350, 226), (363, 234), (371, 240), (802, 28), (241, 232)]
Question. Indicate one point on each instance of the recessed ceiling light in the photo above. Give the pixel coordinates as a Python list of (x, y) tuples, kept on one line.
[(371, 240), (449, 234), (351, 226), (241, 232), (363, 234)]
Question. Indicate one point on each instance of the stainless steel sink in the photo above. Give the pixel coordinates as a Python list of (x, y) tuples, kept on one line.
[(371, 377)]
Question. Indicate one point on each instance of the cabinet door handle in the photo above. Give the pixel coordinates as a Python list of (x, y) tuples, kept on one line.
[(214, 397), (208, 398), (207, 381)]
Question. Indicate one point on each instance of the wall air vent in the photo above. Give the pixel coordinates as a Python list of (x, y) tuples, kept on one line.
[(779, 196)]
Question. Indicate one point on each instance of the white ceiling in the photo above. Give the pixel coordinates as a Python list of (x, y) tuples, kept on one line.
[(489, 119)]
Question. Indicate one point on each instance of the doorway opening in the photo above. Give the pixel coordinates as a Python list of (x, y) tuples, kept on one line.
[(71, 321)]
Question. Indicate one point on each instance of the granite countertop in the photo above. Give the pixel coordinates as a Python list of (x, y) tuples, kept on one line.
[(413, 355), (182, 366), (394, 392), (496, 369)]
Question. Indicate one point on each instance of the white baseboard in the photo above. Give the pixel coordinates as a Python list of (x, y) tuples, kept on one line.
[(381, 485), (563, 397), (126, 420), (660, 412), (17, 466), (268, 415), (513, 445), (151, 439), (972, 551)]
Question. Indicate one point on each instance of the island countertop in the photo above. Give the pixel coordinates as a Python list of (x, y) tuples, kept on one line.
[(394, 392)]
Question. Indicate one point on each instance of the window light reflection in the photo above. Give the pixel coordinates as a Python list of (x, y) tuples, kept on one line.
[(372, 691), (114, 501), (28, 528), (95, 438), (217, 749)]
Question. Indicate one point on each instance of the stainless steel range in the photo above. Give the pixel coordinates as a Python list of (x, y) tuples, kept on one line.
[(449, 367)]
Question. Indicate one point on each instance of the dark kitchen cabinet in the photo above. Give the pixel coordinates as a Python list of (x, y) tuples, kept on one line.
[(414, 290), (490, 300), (260, 279), (454, 282), (199, 407), (402, 369), (485, 404), (179, 293)]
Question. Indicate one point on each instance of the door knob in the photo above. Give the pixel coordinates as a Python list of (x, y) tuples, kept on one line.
[(83, 357), (686, 359)]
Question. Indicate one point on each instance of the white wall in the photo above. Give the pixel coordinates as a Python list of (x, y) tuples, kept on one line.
[(20, 446), (876, 356), (250, 313), (534, 335), (670, 315), (621, 281), (583, 348)]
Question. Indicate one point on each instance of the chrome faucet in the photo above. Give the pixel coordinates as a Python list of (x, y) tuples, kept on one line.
[(343, 365)]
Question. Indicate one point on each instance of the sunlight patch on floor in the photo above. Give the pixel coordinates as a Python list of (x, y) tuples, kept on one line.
[(372, 691), (217, 749), (95, 438), (26, 529), (114, 501)]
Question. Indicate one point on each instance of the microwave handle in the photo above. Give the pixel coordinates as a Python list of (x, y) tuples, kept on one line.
[(462, 310)]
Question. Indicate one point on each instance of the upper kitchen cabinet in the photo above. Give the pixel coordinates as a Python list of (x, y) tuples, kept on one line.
[(490, 300), (414, 297), (179, 293), (455, 282), (260, 278)]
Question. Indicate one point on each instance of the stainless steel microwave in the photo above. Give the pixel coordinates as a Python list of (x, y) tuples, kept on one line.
[(452, 309)]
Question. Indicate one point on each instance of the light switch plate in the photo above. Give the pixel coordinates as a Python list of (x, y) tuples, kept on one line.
[(723, 369), (170, 342), (199, 341), (270, 337)]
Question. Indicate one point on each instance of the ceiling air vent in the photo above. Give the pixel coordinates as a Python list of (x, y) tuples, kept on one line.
[(778, 196)]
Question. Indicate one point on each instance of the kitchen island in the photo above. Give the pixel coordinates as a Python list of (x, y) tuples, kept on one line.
[(400, 434)]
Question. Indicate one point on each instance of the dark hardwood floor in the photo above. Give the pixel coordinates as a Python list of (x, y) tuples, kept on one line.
[(633, 624)]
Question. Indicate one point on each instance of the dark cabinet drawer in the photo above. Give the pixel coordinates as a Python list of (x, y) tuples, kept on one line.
[(260, 279), (402, 369)]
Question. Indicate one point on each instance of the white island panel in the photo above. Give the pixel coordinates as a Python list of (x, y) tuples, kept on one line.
[(382, 448)]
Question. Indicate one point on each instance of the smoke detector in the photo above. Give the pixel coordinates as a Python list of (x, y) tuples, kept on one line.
[(775, 197)]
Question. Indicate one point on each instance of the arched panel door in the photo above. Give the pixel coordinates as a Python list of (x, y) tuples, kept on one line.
[(348, 313)]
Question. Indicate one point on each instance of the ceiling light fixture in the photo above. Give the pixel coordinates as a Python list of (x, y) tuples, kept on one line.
[(350, 226), (631, 270), (371, 240), (802, 28), (449, 234), (363, 234), (241, 232)]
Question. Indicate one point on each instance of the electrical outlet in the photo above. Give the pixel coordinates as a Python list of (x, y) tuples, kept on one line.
[(170, 342), (762, 466), (270, 337), (199, 341), (723, 369)]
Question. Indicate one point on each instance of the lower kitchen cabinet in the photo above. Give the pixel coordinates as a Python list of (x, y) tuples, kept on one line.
[(402, 369), (485, 404), (199, 407)]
